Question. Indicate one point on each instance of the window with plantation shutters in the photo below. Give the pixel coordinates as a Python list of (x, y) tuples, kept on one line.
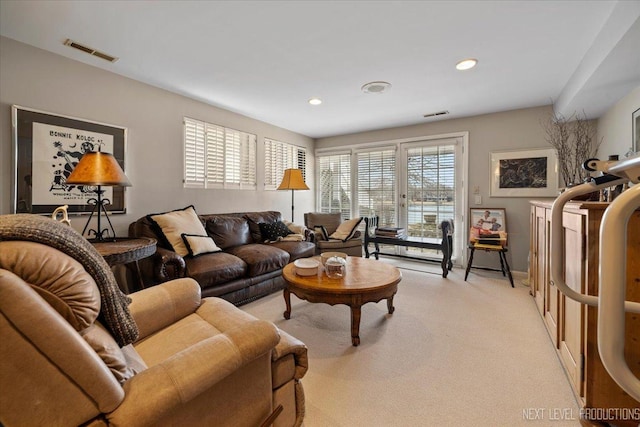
[(280, 156), (218, 157), (377, 184), (335, 184)]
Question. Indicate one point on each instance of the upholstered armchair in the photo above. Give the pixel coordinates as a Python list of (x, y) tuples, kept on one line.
[(77, 351), (333, 234)]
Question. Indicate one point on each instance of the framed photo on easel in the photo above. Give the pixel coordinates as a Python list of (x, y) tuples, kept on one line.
[(488, 226)]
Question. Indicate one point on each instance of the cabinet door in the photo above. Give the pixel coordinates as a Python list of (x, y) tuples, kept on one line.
[(552, 295), (572, 313), (538, 265)]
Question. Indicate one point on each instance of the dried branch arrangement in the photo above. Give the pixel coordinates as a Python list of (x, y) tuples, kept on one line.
[(574, 139)]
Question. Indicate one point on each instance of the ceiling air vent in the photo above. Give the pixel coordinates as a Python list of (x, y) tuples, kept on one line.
[(90, 50), (439, 113)]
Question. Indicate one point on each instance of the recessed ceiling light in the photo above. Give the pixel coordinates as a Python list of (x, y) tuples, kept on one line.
[(315, 101), (466, 64), (376, 87)]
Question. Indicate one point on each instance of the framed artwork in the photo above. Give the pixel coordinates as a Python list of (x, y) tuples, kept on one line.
[(524, 173), (635, 122), (47, 147), (488, 225)]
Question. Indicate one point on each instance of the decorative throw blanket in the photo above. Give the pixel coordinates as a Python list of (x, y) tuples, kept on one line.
[(114, 311)]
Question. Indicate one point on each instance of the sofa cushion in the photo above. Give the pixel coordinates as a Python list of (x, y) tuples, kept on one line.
[(199, 245), (172, 224), (260, 258), (331, 221), (272, 231), (227, 230), (296, 249), (256, 218), (214, 269), (347, 229)]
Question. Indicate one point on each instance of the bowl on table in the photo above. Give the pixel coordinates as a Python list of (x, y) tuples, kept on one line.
[(306, 267)]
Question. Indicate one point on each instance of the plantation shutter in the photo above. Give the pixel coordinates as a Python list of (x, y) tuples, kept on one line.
[(280, 156), (377, 185), (218, 157), (194, 153), (335, 184), (215, 154)]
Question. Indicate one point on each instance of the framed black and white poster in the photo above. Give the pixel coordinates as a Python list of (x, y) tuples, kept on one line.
[(47, 147), (524, 173)]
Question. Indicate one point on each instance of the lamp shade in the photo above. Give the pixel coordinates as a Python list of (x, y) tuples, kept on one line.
[(292, 180), (98, 168)]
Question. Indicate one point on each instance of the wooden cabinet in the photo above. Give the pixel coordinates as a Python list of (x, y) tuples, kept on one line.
[(572, 326)]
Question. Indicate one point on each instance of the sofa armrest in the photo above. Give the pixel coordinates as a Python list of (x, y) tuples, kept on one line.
[(162, 266), (159, 306), (162, 388), (290, 345)]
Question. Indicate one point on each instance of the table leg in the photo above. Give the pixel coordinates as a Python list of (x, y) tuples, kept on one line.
[(139, 275), (355, 325), (390, 306), (287, 301)]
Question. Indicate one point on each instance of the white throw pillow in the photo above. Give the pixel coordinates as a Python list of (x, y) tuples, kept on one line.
[(346, 230), (199, 245), (174, 224)]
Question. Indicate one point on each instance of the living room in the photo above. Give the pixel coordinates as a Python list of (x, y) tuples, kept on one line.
[(61, 81)]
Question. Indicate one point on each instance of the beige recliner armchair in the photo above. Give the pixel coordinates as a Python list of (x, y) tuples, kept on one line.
[(324, 225), (75, 350)]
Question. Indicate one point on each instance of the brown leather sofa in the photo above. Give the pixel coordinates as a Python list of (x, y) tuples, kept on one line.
[(76, 351), (245, 269)]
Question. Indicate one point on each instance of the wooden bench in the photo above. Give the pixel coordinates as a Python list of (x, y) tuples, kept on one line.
[(443, 244)]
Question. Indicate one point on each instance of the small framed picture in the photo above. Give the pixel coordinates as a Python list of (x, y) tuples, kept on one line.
[(488, 226)]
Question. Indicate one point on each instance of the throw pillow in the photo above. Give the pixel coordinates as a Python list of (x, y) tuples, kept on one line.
[(271, 231), (347, 229), (199, 245), (173, 224), (322, 231), (295, 228)]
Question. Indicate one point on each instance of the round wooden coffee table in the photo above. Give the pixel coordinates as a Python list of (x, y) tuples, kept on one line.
[(366, 281)]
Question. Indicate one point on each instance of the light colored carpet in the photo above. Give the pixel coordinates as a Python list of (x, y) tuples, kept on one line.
[(454, 353)]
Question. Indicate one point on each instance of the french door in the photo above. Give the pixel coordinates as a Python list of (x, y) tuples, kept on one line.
[(431, 190)]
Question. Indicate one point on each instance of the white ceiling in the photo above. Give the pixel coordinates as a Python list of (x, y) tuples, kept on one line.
[(265, 59)]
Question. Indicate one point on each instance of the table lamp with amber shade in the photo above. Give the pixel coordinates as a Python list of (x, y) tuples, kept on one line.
[(292, 180), (99, 169)]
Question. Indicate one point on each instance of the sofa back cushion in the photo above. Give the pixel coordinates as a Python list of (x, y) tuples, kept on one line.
[(330, 221), (228, 230), (256, 218)]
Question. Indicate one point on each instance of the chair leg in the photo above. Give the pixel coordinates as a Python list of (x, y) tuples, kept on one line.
[(504, 255), (500, 254), (466, 274)]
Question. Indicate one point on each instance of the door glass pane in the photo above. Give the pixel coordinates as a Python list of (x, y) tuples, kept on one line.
[(431, 181), (335, 184), (376, 185)]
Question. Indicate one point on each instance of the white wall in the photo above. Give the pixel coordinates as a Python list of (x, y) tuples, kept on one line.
[(510, 130), (34, 78), (615, 127)]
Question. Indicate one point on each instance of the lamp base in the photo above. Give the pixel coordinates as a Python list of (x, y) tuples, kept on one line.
[(100, 234)]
